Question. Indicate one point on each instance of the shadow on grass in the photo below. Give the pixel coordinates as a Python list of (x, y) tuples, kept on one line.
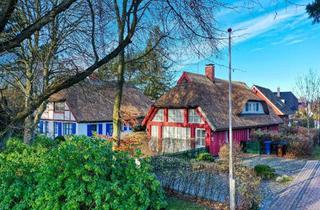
[(178, 204)]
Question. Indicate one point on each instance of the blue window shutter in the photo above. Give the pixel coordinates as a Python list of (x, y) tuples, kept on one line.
[(59, 129), (89, 132), (100, 128), (109, 129), (73, 128), (41, 126), (46, 127)]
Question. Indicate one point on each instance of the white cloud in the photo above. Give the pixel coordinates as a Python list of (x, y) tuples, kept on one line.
[(251, 28)]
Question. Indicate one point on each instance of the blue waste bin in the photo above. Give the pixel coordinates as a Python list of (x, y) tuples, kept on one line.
[(267, 147)]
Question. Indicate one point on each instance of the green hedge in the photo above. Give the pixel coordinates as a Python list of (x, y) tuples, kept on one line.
[(265, 171), (80, 173)]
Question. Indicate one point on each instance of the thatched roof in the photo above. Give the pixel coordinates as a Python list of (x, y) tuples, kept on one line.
[(212, 98), (93, 101)]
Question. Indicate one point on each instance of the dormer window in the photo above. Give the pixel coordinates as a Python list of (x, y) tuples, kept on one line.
[(253, 107)]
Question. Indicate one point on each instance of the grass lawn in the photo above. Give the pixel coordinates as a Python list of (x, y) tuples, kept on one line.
[(178, 204), (316, 153)]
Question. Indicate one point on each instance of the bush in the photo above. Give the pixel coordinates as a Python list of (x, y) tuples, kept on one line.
[(80, 173), (265, 171), (19, 165), (224, 153), (205, 156), (247, 181)]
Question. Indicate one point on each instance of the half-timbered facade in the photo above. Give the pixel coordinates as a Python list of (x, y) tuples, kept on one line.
[(87, 108), (194, 114)]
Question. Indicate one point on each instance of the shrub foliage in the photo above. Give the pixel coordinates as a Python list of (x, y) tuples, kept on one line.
[(205, 156), (80, 173), (265, 171)]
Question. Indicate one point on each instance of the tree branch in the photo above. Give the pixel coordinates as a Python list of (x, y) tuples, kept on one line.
[(28, 31), (6, 12)]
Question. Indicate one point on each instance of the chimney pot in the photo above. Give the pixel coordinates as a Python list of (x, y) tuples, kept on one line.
[(278, 92), (210, 72)]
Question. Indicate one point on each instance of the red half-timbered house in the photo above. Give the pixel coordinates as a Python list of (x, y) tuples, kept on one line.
[(195, 114)]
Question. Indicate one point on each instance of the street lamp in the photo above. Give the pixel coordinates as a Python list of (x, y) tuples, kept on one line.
[(231, 179)]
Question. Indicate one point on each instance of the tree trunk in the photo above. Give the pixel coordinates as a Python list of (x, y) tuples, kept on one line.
[(118, 99), (28, 133), (28, 122)]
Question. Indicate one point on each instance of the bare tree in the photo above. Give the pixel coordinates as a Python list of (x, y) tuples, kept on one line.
[(308, 89)]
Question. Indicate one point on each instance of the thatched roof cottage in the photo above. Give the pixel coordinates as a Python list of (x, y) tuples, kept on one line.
[(87, 107), (196, 110)]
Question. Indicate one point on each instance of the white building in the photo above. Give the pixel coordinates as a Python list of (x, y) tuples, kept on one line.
[(87, 108)]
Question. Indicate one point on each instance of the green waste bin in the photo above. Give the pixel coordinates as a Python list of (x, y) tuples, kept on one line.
[(253, 147)]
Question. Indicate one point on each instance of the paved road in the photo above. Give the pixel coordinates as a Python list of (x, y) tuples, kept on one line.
[(303, 193)]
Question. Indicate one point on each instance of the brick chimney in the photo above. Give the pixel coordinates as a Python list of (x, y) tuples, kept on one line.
[(278, 92), (209, 71)]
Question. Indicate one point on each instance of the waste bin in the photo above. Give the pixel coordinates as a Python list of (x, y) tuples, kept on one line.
[(282, 148), (253, 147), (267, 147)]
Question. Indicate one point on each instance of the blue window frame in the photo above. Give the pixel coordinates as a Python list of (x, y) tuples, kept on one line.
[(109, 129), (73, 128), (57, 128), (91, 128), (40, 126), (99, 128)]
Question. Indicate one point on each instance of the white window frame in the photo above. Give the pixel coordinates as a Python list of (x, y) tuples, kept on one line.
[(251, 108), (200, 140), (192, 115), (154, 130), (173, 115), (67, 128), (173, 132), (159, 116)]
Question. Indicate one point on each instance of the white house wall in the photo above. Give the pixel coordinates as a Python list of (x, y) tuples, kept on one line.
[(50, 117)]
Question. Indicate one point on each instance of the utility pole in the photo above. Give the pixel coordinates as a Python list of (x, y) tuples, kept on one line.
[(231, 179)]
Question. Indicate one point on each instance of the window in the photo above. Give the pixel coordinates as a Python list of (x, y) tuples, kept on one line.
[(126, 127), (59, 106), (176, 132), (175, 115), (67, 128), (252, 107), (200, 138), (159, 117), (154, 132), (91, 129), (194, 117)]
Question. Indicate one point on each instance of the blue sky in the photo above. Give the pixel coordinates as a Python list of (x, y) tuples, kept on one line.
[(274, 43)]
